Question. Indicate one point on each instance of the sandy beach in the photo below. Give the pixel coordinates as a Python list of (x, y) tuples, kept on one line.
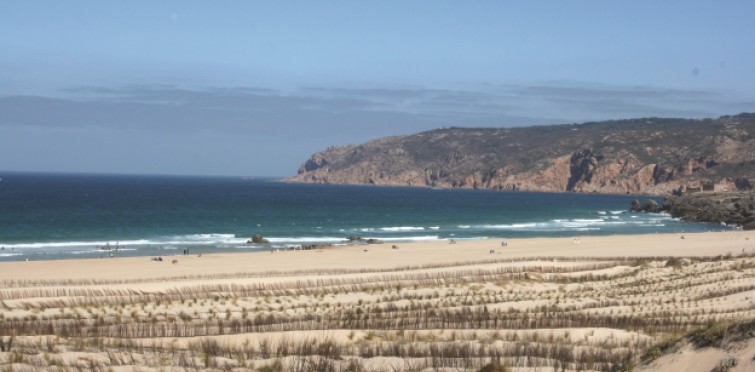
[(381, 256), (588, 303)]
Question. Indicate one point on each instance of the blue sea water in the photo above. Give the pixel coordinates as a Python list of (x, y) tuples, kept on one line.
[(58, 216)]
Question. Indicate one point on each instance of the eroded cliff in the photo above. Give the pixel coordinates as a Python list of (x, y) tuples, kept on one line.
[(654, 156)]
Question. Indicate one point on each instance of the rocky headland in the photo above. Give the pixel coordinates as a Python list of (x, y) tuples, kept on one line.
[(733, 208), (646, 156)]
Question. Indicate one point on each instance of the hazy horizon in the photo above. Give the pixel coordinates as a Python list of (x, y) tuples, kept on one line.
[(253, 89)]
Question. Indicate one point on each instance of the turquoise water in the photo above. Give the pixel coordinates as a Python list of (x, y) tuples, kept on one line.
[(49, 216)]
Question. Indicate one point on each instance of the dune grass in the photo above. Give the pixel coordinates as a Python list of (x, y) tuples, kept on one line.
[(601, 314)]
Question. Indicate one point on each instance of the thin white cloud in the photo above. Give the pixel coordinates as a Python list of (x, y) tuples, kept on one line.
[(356, 111)]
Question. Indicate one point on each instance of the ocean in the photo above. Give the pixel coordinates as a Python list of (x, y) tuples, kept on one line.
[(63, 216)]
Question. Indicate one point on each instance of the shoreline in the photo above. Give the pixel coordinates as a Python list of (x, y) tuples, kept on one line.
[(383, 257)]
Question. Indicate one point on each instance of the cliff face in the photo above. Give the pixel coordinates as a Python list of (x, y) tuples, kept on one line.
[(654, 156)]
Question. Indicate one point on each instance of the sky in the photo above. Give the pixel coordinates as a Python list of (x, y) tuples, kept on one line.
[(253, 88)]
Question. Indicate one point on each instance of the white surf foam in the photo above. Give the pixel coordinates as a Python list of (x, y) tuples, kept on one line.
[(211, 236), (402, 228), (409, 238), (510, 226), (190, 239), (306, 239), (10, 254), (74, 244)]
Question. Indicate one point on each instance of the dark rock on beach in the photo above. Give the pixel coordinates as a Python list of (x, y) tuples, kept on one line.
[(257, 239), (650, 206), (316, 246), (359, 239), (635, 206), (737, 208)]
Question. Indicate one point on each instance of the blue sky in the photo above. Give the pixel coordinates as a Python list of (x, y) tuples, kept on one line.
[(254, 88)]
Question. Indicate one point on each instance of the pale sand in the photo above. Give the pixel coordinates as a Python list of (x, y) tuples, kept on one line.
[(381, 256), (381, 263), (690, 359)]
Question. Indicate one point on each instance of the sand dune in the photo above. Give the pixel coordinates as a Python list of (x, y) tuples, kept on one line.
[(593, 303)]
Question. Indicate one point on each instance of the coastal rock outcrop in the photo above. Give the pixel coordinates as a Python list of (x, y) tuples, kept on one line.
[(257, 239), (735, 208), (359, 239), (649, 156), (650, 206)]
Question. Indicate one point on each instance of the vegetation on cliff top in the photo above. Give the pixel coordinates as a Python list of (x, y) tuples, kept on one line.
[(649, 155)]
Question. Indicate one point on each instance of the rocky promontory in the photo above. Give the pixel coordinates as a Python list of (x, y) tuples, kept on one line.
[(737, 208), (647, 156)]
